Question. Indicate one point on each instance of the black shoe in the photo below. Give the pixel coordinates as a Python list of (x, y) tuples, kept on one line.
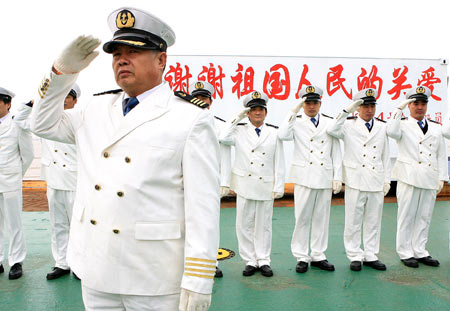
[(411, 262), (323, 264), (429, 261), (249, 270), (266, 270), (57, 273), (219, 273), (376, 264), (76, 276), (355, 266), (16, 271), (2, 269), (301, 267)]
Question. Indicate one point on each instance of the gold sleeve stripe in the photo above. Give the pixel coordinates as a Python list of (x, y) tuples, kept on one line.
[(200, 275), (200, 259), (201, 270), (192, 264)]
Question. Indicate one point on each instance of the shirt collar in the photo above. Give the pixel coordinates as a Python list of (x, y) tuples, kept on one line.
[(4, 117), (143, 96), (370, 122), (424, 120)]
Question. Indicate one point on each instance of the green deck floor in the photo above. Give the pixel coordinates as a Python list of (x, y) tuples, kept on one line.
[(398, 288)]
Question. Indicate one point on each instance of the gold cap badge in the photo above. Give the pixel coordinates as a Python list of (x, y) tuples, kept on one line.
[(256, 95), (125, 19), (199, 85), (310, 89), (420, 90), (370, 93)]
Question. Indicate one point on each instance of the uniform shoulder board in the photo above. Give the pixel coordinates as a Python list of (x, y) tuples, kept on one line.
[(299, 116), (272, 125), (242, 123), (351, 118), (220, 119), (191, 99), (380, 120), (109, 92), (12, 117), (326, 116), (433, 121), (404, 118)]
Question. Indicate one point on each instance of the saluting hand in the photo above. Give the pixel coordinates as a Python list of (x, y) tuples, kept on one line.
[(354, 106), (77, 55), (405, 103), (242, 114), (298, 106)]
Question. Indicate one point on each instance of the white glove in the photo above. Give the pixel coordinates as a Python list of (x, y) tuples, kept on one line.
[(299, 106), (386, 188), (77, 55), (354, 106), (277, 195), (224, 191), (192, 301), (440, 186), (242, 114), (337, 186), (405, 103)]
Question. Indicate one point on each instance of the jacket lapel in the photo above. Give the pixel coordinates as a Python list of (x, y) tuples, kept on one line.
[(154, 106), (263, 135), (415, 128), (375, 128), (5, 125)]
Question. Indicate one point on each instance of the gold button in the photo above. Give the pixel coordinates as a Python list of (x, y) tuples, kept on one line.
[(374, 147), (310, 162), (311, 139), (429, 164), (311, 151), (323, 141), (127, 159), (97, 187), (374, 157), (94, 222), (265, 153), (56, 150), (321, 164), (64, 165), (116, 231), (106, 154), (120, 193), (251, 162), (373, 167), (65, 153), (420, 143), (262, 164), (260, 177), (321, 152), (430, 154), (420, 152), (364, 155), (249, 174), (54, 162), (420, 162), (253, 150), (364, 165), (364, 145)]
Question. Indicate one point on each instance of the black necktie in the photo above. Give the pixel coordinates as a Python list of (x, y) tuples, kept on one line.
[(130, 104), (258, 131), (314, 121), (368, 126)]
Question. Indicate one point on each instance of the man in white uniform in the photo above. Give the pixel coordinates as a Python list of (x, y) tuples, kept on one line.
[(205, 91), (257, 179), (421, 169), (366, 170), (316, 172), (59, 170), (16, 155), (145, 226)]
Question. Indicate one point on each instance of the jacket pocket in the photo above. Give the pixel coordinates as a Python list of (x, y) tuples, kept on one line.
[(156, 231), (298, 163), (349, 164), (238, 172), (404, 160)]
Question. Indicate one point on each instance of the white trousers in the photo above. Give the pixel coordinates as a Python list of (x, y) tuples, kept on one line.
[(312, 213), (362, 209), (60, 203), (415, 208), (95, 300), (10, 218), (254, 230)]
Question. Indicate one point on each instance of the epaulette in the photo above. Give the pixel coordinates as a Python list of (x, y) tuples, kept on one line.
[(380, 120), (191, 99), (12, 117), (326, 116), (351, 118), (404, 118), (299, 116), (433, 121), (109, 92), (241, 123), (271, 125), (219, 119)]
